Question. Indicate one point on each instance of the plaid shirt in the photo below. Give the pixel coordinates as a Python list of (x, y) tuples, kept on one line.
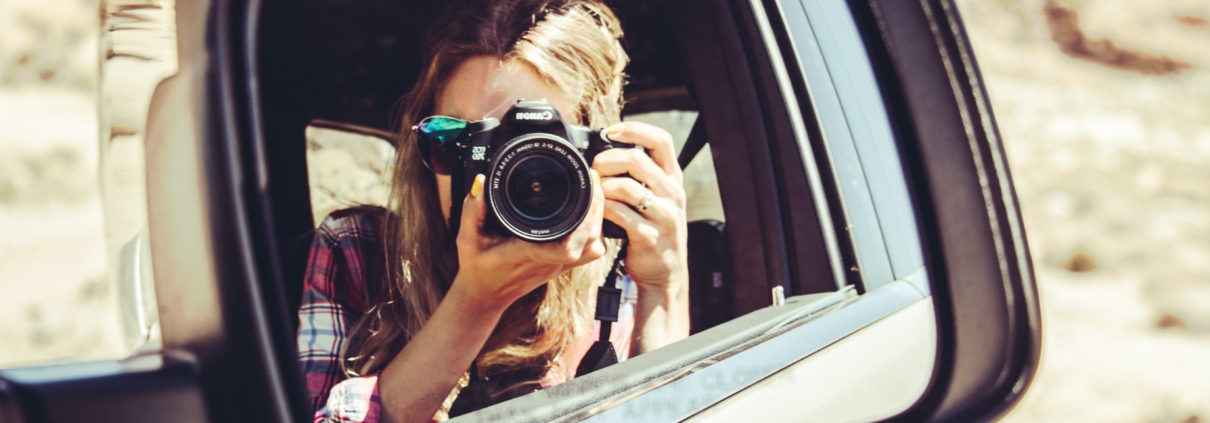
[(345, 253)]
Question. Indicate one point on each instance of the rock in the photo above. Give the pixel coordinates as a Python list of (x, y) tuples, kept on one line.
[(1080, 262), (1065, 31), (1169, 321)]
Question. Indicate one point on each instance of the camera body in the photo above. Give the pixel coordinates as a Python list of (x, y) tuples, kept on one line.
[(536, 166)]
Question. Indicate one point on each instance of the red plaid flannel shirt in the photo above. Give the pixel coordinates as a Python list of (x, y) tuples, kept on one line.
[(345, 253)]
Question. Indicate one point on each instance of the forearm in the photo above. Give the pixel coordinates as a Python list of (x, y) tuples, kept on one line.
[(661, 316), (420, 377)]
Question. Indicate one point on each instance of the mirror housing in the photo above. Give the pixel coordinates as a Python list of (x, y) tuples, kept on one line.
[(987, 311)]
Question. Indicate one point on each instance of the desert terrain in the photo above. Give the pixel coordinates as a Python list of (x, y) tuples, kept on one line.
[(1104, 108)]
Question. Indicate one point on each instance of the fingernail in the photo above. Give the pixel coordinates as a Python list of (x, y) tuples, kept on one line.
[(596, 177), (477, 186), (614, 130)]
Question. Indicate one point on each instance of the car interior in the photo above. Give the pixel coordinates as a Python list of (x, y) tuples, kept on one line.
[(342, 66)]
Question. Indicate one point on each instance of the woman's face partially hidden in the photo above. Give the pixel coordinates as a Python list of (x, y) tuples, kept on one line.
[(483, 87)]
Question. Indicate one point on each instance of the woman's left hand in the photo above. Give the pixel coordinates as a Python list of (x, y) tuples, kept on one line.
[(644, 194)]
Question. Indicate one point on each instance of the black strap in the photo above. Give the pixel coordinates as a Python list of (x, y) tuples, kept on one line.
[(694, 143), (477, 394), (609, 298)]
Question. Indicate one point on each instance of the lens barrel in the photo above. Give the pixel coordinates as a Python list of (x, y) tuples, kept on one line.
[(538, 187)]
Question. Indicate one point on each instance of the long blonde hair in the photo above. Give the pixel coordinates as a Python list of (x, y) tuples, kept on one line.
[(574, 46)]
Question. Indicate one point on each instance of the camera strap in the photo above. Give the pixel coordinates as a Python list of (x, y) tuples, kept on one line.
[(609, 300)]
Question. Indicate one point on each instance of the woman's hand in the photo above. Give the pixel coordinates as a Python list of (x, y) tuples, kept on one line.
[(644, 194), (495, 271)]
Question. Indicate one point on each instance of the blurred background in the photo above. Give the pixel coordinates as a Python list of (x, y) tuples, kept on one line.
[(1104, 108)]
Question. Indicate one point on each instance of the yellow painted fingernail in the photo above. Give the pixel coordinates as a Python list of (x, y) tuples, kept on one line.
[(614, 130), (477, 187), (596, 177)]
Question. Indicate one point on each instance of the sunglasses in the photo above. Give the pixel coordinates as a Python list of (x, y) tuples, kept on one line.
[(438, 138)]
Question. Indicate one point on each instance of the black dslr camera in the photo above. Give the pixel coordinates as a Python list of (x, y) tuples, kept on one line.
[(536, 165)]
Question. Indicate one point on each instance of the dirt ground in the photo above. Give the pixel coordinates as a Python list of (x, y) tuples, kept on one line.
[(1104, 108), (1110, 164)]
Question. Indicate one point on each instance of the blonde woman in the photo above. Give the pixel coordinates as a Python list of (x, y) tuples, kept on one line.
[(398, 311)]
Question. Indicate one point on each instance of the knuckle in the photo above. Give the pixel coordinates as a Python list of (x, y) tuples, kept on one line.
[(636, 189), (571, 254), (636, 154), (664, 138), (649, 234), (679, 199), (596, 251)]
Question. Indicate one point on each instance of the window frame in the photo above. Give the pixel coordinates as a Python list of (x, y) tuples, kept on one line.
[(855, 132)]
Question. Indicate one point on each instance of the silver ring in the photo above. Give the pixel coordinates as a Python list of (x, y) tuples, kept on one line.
[(643, 205)]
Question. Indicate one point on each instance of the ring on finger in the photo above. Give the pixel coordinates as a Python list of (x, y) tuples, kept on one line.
[(647, 197)]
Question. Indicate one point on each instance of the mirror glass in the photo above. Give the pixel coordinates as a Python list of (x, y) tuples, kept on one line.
[(873, 358)]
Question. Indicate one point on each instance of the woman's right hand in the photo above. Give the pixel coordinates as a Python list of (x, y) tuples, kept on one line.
[(494, 271)]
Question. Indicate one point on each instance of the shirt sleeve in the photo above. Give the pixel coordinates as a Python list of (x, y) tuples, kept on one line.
[(333, 299), (354, 400), (623, 329)]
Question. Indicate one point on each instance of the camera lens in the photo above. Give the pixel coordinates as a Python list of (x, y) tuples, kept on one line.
[(538, 187)]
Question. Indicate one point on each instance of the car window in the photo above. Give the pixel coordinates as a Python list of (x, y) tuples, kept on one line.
[(858, 136), (346, 167)]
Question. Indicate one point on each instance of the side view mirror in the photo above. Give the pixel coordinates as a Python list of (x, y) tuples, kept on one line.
[(862, 257)]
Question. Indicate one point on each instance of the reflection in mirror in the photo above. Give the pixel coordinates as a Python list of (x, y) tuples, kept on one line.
[(701, 184), (350, 165), (871, 375)]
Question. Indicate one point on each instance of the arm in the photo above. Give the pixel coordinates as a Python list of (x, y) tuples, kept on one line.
[(419, 378), (661, 316), (492, 274), (644, 195), (328, 308)]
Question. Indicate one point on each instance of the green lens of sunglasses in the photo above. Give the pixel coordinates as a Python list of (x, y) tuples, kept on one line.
[(441, 127)]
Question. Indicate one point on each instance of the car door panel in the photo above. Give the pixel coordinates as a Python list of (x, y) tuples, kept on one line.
[(870, 375)]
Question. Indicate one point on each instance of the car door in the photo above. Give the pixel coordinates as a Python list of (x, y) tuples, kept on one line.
[(880, 270)]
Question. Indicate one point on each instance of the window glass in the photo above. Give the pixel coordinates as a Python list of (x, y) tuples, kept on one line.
[(346, 168), (858, 136)]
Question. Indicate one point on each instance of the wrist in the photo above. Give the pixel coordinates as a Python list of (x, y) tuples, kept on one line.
[(466, 294), (669, 292)]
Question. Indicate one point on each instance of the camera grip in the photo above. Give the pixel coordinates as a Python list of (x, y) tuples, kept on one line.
[(612, 230), (598, 142)]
